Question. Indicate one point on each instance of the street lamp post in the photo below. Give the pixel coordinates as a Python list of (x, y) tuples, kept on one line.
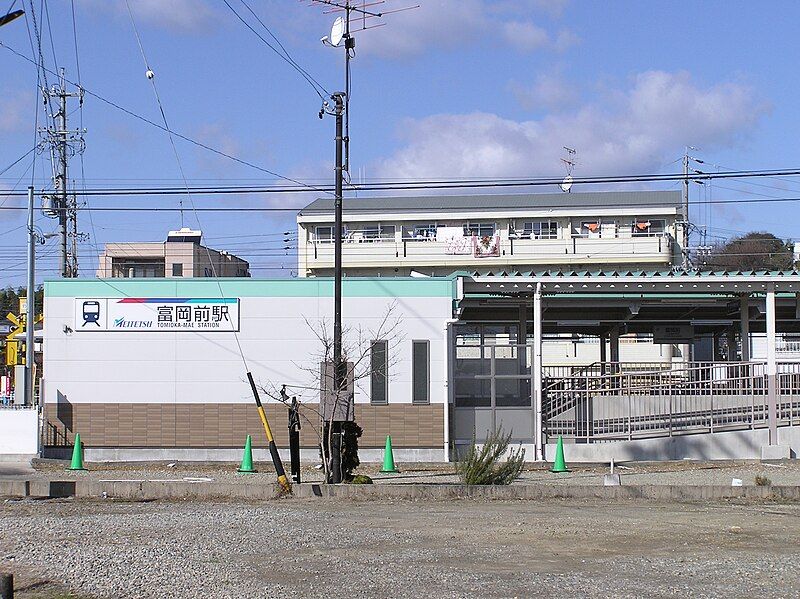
[(6, 19)]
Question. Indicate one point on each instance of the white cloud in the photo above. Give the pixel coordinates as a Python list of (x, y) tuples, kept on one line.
[(525, 36), (633, 132), (549, 91), (565, 40), (455, 23), (182, 15), (16, 110)]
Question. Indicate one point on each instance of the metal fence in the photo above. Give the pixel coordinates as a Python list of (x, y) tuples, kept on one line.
[(614, 401), (492, 386)]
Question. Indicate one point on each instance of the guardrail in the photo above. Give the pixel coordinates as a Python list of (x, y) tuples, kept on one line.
[(635, 401)]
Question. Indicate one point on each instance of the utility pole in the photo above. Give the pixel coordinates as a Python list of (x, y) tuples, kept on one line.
[(685, 240), (62, 143), (339, 374), (30, 305)]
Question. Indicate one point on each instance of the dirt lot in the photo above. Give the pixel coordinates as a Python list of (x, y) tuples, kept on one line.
[(400, 549)]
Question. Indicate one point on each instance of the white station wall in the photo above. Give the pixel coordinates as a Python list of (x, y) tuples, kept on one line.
[(206, 367)]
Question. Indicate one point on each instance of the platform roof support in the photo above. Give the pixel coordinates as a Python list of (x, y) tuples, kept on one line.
[(536, 371), (772, 367), (744, 325)]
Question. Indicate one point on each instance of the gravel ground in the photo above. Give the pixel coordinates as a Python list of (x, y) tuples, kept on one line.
[(661, 473), (402, 549)]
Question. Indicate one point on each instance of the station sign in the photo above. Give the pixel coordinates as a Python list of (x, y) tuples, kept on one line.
[(176, 314), (673, 334)]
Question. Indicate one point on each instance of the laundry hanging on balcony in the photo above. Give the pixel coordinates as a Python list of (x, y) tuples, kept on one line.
[(486, 246), (454, 240)]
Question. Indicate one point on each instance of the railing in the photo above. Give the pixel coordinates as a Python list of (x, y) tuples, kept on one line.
[(541, 251), (632, 401), (55, 437)]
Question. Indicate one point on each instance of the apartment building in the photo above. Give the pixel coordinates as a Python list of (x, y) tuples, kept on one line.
[(492, 234), (181, 255)]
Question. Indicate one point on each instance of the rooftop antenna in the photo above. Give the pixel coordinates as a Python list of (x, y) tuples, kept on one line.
[(569, 163), (355, 16)]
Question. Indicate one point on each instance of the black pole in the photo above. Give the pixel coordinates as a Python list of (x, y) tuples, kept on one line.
[(338, 379), (294, 439)]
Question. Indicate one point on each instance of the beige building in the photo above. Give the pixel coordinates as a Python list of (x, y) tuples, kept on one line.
[(181, 255), (440, 235)]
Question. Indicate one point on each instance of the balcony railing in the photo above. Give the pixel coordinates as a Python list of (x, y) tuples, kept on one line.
[(508, 251)]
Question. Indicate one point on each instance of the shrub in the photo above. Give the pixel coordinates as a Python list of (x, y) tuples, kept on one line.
[(482, 466), (361, 479), (763, 481)]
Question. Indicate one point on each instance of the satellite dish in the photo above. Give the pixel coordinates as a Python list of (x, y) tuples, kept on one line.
[(337, 31), (566, 184)]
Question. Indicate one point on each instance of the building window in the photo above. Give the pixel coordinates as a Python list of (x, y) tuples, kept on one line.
[(323, 234), (377, 233), (541, 229), (420, 232), (648, 226), (177, 269), (420, 372), (480, 229), (379, 370), (137, 268)]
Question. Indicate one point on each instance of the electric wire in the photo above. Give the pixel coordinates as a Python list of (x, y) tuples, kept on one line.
[(315, 85), (18, 160), (183, 175), (43, 8), (80, 117), (440, 184), (175, 133)]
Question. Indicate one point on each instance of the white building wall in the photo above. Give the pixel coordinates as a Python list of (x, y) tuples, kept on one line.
[(276, 340)]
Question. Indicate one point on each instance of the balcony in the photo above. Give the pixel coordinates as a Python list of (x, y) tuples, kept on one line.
[(506, 253)]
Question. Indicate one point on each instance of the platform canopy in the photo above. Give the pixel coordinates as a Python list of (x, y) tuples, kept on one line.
[(591, 302)]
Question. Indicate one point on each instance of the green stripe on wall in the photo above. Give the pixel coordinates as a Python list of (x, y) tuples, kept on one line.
[(313, 287)]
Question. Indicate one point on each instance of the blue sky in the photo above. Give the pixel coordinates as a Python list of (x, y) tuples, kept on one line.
[(456, 88)]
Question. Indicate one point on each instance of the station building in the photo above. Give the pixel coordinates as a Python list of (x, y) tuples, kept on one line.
[(549, 315), (156, 368)]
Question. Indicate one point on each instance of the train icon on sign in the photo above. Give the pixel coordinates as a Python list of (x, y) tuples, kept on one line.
[(91, 312)]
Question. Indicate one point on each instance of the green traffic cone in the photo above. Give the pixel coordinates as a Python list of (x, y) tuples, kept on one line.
[(77, 454), (247, 459), (560, 465), (388, 457)]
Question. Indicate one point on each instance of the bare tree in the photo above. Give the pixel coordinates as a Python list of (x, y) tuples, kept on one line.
[(357, 348)]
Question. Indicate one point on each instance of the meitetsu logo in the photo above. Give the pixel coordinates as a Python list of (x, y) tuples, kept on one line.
[(121, 323)]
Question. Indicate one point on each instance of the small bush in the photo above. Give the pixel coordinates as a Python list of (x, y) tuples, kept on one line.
[(482, 466), (361, 479), (763, 481)]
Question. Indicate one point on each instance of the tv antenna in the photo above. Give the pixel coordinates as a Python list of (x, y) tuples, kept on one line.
[(353, 15), (569, 163), (342, 30)]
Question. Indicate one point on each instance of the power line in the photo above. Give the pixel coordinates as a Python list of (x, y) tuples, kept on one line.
[(176, 134), (18, 160), (353, 210), (437, 184), (316, 86)]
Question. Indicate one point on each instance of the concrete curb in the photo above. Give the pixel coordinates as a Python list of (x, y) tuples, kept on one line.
[(154, 490)]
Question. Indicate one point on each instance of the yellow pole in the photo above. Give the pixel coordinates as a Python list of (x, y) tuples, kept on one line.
[(273, 449)]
